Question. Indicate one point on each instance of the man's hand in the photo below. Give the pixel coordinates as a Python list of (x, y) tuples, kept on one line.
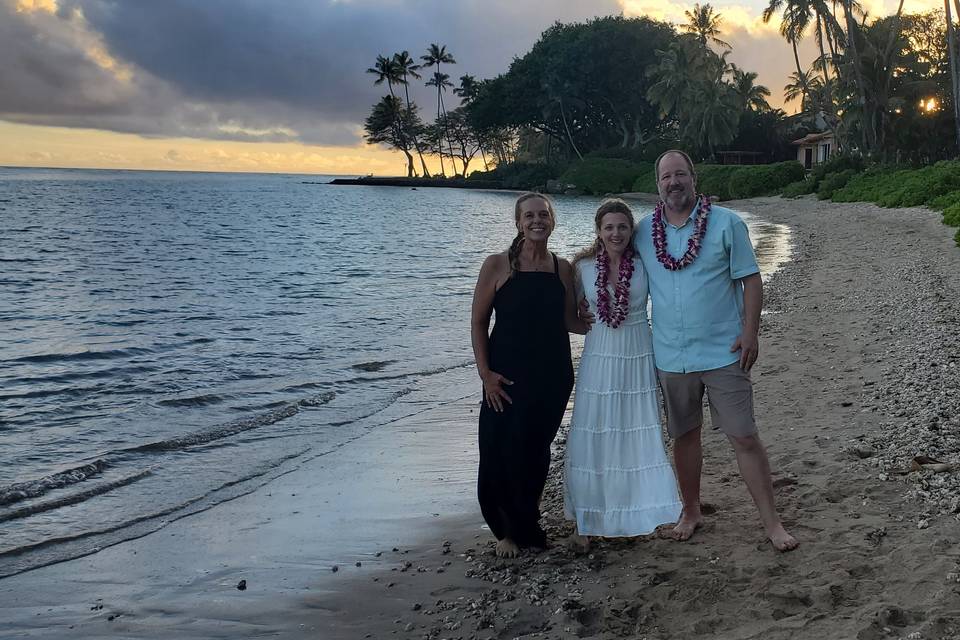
[(748, 344), (584, 312)]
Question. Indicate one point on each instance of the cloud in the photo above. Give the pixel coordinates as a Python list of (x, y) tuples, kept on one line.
[(242, 69)]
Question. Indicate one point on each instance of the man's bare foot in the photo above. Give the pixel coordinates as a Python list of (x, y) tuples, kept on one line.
[(578, 543), (781, 540), (686, 526), (507, 548)]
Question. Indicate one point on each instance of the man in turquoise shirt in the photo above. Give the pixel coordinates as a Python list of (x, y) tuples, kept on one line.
[(706, 295)]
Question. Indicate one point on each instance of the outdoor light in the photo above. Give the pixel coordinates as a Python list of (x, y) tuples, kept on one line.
[(929, 104)]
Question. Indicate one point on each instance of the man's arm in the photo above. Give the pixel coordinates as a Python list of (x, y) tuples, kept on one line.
[(749, 342)]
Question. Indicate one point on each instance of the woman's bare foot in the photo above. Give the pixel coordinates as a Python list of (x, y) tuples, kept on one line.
[(580, 544), (507, 548), (689, 522), (781, 540)]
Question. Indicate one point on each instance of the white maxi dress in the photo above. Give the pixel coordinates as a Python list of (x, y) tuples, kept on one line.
[(618, 481)]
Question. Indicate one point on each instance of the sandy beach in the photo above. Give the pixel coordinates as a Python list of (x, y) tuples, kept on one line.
[(858, 375)]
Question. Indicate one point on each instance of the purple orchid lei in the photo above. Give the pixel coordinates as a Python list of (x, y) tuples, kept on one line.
[(693, 244), (613, 317)]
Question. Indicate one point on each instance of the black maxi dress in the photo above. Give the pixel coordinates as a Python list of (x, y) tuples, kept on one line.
[(530, 346)]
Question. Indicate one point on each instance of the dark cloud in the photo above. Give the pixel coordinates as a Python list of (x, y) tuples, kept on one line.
[(246, 69)]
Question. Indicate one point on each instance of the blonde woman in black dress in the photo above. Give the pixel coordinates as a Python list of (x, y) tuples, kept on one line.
[(526, 371)]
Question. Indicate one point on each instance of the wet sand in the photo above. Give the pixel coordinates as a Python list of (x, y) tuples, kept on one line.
[(858, 374)]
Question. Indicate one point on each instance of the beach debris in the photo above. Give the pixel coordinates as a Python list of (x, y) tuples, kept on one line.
[(359, 564), (334, 568), (926, 463), (417, 606), (242, 585), (876, 535)]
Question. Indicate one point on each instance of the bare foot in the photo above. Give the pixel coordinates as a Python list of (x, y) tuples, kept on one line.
[(507, 548), (580, 544), (781, 540), (686, 526)]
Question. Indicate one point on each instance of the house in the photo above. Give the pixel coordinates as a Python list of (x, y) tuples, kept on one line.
[(814, 148)]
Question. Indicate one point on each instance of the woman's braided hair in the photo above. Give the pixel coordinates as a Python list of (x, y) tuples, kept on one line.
[(609, 205), (513, 253)]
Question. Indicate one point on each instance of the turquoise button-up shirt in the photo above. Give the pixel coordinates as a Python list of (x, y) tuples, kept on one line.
[(697, 311)]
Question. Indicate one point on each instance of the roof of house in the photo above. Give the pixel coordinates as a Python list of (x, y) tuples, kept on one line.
[(812, 138)]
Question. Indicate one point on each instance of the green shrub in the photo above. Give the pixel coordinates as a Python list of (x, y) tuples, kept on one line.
[(518, 175), (956, 238), (645, 183), (762, 180), (832, 182), (869, 185), (714, 179), (836, 164), (951, 215), (800, 188), (604, 175), (942, 202), (900, 187)]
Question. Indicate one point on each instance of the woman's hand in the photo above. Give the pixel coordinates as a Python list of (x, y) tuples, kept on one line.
[(493, 392)]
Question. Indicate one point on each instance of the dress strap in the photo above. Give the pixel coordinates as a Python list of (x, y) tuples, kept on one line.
[(556, 264)]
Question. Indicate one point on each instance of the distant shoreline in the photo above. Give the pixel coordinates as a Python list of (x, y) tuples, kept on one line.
[(448, 183)]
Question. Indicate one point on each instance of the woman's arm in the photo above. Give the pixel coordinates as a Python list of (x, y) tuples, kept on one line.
[(568, 276), (483, 295)]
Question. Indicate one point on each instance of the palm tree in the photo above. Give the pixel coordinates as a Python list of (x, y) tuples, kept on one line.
[(468, 91), (407, 67), (703, 22), (386, 71), (441, 81), (437, 55), (796, 17), (752, 96)]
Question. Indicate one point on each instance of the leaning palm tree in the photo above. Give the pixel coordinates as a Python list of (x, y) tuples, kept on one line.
[(705, 24), (407, 67), (437, 55)]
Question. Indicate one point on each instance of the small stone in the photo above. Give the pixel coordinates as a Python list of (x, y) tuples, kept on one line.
[(242, 585), (359, 564), (417, 606), (923, 523), (334, 568), (409, 627)]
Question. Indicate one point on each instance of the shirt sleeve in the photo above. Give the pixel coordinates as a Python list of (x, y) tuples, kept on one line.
[(743, 262)]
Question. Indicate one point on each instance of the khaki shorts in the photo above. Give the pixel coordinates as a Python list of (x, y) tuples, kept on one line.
[(730, 394)]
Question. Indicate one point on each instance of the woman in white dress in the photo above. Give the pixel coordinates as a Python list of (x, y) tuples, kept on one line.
[(618, 481)]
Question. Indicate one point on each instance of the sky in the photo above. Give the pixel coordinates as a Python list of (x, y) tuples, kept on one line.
[(266, 86)]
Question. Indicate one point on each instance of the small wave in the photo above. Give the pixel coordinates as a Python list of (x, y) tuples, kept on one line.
[(413, 374), (83, 355), (74, 498), (204, 400), (373, 366), (232, 428), (33, 488)]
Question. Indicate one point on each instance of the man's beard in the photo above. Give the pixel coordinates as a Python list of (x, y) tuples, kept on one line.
[(679, 200)]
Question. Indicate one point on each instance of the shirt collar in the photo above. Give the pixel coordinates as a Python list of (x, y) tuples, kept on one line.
[(693, 214)]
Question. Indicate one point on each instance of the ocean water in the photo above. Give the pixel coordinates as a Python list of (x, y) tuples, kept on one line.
[(169, 341)]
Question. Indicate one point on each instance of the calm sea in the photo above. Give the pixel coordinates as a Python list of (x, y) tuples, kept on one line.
[(172, 340)]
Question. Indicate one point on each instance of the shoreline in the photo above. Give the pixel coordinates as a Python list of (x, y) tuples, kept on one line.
[(847, 344)]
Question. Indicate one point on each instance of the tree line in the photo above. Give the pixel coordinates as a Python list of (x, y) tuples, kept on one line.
[(630, 87)]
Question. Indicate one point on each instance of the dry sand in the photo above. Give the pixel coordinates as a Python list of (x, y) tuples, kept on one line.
[(859, 372)]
